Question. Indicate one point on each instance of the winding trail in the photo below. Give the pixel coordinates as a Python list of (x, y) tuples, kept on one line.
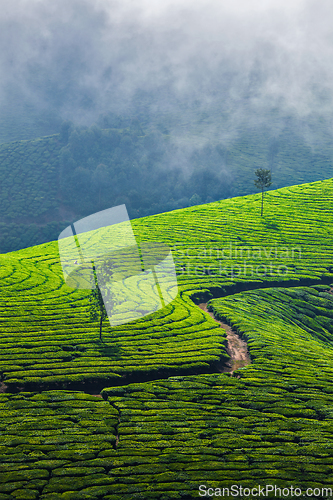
[(236, 347)]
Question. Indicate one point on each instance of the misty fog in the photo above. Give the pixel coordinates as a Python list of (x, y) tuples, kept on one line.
[(199, 70)]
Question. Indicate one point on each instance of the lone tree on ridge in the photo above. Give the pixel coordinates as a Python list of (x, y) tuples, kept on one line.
[(262, 181)]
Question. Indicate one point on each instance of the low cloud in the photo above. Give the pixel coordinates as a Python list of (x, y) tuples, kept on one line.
[(204, 69)]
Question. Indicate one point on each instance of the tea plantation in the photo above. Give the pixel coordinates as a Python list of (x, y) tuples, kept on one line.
[(169, 420)]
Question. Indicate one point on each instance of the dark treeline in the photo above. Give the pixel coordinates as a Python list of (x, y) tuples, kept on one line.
[(100, 168)]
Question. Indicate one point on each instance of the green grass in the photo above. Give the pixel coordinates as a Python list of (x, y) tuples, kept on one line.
[(270, 423)]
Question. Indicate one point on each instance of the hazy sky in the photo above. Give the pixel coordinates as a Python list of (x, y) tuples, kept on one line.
[(241, 58)]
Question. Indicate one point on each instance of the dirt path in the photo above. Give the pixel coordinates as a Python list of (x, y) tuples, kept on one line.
[(3, 387), (236, 347)]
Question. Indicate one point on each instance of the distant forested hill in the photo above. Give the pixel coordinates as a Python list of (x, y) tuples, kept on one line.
[(49, 182)]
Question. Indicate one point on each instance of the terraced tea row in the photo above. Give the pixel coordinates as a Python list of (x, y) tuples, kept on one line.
[(47, 336), (52, 438), (289, 333)]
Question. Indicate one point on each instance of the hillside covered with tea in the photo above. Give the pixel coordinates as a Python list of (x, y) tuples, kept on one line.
[(170, 418)]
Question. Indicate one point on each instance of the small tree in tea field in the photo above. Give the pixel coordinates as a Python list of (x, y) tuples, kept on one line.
[(262, 181), (97, 306)]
